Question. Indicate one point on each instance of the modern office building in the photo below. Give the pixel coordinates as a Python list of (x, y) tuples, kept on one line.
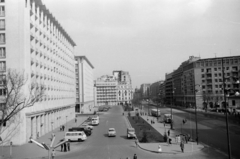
[(32, 41), (124, 88), (106, 90), (84, 85)]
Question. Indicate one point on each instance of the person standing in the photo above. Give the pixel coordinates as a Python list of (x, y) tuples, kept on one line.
[(134, 156), (65, 147), (75, 120), (53, 154), (68, 146), (61, 147), (168, 132), (159, 148), (182, 146)]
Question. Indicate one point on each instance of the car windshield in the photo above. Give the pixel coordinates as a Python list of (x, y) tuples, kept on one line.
[(111, 130)]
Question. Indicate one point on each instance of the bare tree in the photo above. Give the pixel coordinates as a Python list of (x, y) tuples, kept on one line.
[(207, 97), (13, 99)]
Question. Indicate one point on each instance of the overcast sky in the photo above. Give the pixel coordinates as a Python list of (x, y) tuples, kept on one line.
[(149, 38)]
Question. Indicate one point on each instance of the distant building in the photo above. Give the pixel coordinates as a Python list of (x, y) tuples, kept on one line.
[(145, 90), (155, 90), (106, 90), (84, 85), (124, 88)]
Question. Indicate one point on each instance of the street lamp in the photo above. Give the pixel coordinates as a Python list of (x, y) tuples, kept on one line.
[(66, 122), (196, 119), (171, 110), (226, 115)]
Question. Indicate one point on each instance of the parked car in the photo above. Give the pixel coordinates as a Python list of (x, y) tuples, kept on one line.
[(131, 133), (87, 126), (75, 136), (111, 132), (86, 131)]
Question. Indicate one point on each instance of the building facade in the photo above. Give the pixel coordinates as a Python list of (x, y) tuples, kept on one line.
[(32, 41), (84, 85), (124, 88), (106, 90), (155, 90), (145, 90)]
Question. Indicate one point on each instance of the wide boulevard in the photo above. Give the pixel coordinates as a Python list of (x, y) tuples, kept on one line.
[(100, 146)]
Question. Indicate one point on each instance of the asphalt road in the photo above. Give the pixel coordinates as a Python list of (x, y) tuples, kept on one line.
[(211, 132), (100, 146)]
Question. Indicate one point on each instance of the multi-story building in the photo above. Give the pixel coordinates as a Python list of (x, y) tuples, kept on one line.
[(124, 88), (155, 90), (199, 82), (84, 85), (106, 90), (32, 41), (145, 90), (209, 81), (169, 88)]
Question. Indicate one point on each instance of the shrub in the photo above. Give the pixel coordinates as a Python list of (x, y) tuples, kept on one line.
[(144, 137)]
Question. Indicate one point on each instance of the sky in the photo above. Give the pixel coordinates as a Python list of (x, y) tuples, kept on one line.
[(148, 38)]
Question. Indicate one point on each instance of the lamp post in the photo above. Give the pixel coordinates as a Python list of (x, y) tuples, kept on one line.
[(196, 119), (66, 122), (226, 115), (171, 109)]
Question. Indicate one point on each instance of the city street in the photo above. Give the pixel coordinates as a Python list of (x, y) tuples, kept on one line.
[(100, 146), (212, 132)]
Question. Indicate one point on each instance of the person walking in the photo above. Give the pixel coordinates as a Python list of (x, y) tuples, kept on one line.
[(53, 154), (134, 156), (159, 148), (182, 146), (68, 146), (168, 132)]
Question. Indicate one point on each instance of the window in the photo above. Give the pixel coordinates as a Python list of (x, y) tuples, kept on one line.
[(202, 76), (216, 80), (2, 1), (2, 11), (2, 38), (2, 24), (2, 79), (2, 92), (202, 70), (215, 69), (2, 52), (2, 66), (215, 75)]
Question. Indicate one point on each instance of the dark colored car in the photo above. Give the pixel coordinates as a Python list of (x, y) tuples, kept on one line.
[(88, 132)]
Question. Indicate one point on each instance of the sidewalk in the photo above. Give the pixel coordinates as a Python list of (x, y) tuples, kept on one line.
[(32, 151), (173, 148)]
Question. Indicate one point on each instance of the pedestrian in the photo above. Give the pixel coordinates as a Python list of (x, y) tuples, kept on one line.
[(159, 148), (186, 139), (37, 135), (168, 132), (134, 156), (182, 146), (61, 147), (136, 143), (63, 127), (75, 120), (65, 147), (60, 127), (68, 146), (53, 154)]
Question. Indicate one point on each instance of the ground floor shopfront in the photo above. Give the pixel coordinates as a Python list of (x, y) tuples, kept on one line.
[(40, 123)]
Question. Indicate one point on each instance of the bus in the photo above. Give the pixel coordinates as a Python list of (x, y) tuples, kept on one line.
[(156, 112)]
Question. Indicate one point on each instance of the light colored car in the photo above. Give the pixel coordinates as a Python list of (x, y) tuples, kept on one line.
[(111, 132), (75, 136), (87, 126), (131, 133)]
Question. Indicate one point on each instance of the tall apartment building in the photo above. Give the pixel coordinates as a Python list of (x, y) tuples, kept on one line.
[(145, 90), (169, 88), (124, 88), (84, 85), (106, 90), (155, 90), (33, 41), (199, 82)]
